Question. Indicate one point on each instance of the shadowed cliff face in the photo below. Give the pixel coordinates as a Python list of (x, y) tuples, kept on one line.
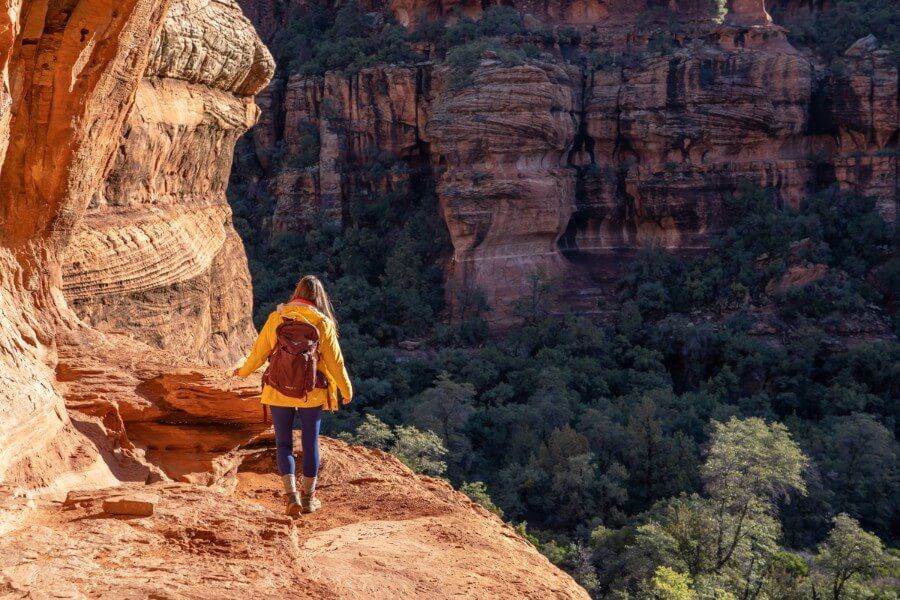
[(565, 170)]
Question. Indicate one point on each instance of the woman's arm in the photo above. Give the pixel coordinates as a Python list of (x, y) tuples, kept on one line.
[(334, 360), (262, 348)]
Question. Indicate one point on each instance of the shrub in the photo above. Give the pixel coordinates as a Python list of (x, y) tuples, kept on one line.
[(477, 492), (603, 61), (464, 60), (421, 451), (669, 584), (830, 32), (831, 294), (309, 147), (318, 39), (500, 21), (849, 555)]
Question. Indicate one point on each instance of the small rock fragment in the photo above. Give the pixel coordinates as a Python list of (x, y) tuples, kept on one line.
[(137, 504)]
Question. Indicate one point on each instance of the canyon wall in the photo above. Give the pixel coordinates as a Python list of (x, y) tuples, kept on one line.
[(156, 254), (121, 279), (120, 122), (122, 271), (562, 170), (69, 73)]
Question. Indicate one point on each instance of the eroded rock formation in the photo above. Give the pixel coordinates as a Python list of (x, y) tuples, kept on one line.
[(69, 77), (156, 254), (117, 122), (385, 533), (563, 170), (504, 141)]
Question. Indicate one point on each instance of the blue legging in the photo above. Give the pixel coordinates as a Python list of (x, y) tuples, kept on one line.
[(283, 420)]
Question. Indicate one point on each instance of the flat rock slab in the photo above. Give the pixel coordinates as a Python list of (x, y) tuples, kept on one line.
[(86, 498), (137, 504)]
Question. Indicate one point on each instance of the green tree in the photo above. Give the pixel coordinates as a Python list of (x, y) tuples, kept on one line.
[(656, 461), (787, 577), (669, 584), (445, 408), (750, 464), (373, 432), (421, 451), (727, 538), (576, 487), (534, 304), (859, 458), (477, 492), (848, 555)]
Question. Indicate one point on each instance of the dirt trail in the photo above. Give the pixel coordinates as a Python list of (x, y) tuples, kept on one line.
[(384, 532)]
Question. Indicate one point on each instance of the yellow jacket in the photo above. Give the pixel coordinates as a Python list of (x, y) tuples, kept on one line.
[(331, 365)]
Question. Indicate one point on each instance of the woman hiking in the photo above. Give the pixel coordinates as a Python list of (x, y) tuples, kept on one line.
[(305, 373)]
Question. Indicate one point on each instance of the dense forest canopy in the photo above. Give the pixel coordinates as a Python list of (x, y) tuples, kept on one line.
[(725, 432), (592, 431), (320, 38)]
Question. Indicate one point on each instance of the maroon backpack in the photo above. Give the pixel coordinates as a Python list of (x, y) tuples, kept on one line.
[(292, 363)]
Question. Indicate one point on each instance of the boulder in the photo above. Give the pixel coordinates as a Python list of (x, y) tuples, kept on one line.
[(135, 504)]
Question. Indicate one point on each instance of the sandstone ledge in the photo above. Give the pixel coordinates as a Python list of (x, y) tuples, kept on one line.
[(383, 532)]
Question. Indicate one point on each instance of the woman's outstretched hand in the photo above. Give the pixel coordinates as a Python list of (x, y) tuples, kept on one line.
[(346, 401)]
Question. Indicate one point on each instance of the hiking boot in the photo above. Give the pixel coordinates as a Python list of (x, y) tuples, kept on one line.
[(308, 495), (309, 504), (291, 496), (293, 504)]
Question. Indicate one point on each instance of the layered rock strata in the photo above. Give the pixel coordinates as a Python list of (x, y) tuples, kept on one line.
[(504, 142), (561, 171), (156, 254), (69, 74), (115, 152)]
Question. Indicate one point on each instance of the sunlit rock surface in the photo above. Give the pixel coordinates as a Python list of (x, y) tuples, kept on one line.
[(156, 254), (117, 124)]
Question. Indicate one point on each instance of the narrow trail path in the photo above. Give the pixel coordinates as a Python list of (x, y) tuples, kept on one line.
[(384, 532)]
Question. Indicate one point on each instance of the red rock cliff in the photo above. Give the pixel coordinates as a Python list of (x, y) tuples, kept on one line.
[(120, 275), (567, 170), (156, 254)]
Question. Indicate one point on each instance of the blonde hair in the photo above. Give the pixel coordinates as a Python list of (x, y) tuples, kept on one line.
[(310, 288)]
